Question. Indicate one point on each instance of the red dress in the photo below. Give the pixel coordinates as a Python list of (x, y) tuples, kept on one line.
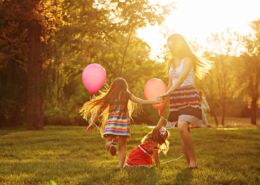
[(141, 155)]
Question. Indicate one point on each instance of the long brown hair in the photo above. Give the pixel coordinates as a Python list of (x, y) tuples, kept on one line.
[(156, 136), (201, 65), (99, 106)]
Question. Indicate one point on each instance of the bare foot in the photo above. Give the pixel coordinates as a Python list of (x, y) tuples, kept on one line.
[(193, 165)]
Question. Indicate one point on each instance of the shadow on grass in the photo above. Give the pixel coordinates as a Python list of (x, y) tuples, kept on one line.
[(143, 175), (184, 177), (135, 175), (11, 130)]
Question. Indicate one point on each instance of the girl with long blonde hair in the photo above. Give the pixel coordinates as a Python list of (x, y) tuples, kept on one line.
[(185, 106), (115, 108)]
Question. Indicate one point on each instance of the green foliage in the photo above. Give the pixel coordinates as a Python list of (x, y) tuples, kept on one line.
[(19, 20), (74, 34), (90, 35)]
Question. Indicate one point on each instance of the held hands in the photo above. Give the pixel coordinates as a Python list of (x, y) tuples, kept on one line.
[(159, 99)]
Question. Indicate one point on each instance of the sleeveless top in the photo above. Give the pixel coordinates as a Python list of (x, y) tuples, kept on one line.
[(175, 73), (118, 118)]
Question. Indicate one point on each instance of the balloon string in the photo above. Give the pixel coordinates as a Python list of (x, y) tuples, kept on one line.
[(172, 160), (97, 126)]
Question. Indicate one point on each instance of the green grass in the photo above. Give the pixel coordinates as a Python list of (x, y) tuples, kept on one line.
[(67, 155)]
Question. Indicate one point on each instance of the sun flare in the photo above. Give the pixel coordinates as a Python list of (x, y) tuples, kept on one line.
[(197, 20)]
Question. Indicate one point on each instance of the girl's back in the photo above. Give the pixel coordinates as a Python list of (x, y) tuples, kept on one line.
[(118, 119)]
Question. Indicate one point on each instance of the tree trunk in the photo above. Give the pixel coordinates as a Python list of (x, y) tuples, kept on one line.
[(223, 91), (254, 82), (255, 96), (223, 115), (253, 110), (212, 112), (2, 120), (34, 105)]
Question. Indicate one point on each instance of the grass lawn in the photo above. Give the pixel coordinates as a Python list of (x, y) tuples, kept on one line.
[(67, 155)]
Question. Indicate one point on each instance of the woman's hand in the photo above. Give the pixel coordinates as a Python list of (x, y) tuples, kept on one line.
[(165, 94), (159, 99)]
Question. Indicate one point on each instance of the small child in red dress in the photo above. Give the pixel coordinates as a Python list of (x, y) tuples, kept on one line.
[(151, 145)]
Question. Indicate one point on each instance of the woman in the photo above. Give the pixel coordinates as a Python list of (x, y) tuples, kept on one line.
[(185, 107)]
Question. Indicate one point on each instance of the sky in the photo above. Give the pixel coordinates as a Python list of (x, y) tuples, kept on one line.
[(198, 19)]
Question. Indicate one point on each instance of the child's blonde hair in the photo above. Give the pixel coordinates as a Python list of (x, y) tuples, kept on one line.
[(99, 106), (160, 135)]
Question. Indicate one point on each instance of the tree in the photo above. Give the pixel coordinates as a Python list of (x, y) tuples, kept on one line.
[(29, 25), (220, 79), (100, 32), (251, 69)]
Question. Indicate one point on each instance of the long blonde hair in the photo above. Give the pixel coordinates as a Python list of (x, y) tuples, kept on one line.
[(201, 65), (99, 106), (155, 135)]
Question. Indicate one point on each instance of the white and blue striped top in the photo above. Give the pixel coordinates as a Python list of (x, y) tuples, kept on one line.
[(175, 73)]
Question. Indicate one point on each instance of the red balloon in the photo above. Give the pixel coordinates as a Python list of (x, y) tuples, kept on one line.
[(153, 89)]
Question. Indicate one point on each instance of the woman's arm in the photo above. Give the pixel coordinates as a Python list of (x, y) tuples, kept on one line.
[(174, 85), (161, 111), (141, 101), (169, 83), (156, 157)]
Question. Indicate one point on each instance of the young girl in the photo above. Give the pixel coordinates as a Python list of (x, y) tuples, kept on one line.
[(115, 109), (152, 144)]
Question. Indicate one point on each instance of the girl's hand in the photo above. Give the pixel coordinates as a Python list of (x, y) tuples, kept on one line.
[(90, 127), (159, 99)]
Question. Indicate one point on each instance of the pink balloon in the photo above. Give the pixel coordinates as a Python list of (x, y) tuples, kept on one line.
[(93, 78), (154, 88)]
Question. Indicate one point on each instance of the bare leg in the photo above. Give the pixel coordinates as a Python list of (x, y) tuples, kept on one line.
[(122, 150), (111, 144), (185, 152), (108, 140), (187, 144)]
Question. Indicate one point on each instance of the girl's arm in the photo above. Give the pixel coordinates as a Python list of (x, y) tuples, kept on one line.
[(92, 122), (161, 122), (94, 119), (187, 67), (141, 101), (156, 157)]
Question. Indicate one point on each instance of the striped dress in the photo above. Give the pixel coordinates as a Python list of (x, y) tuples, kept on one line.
[(185, 101), (117, 123)]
